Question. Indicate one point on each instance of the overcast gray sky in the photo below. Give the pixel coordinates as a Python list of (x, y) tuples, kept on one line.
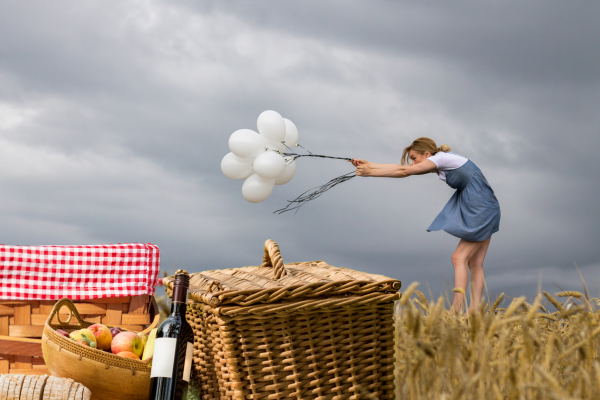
[(114, 117)]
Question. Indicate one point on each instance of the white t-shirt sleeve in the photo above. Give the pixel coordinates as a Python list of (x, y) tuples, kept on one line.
[(447, 161)]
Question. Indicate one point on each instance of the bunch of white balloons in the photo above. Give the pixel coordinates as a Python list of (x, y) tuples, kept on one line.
[(258, 157)]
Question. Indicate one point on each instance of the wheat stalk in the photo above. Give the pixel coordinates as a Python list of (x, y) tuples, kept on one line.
[(505, 354), (571, 293)]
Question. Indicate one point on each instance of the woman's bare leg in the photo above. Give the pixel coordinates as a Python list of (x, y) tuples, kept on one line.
[(460, 260), (477, 277)]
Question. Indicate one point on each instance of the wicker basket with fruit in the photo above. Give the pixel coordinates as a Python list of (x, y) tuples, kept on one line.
[(111, 362)]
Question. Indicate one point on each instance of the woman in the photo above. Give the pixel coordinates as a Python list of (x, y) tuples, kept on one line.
[(472, 213)]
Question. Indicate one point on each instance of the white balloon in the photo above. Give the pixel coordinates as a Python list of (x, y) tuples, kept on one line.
[(235, 167), (257, 189), (271, 125), (275, 146), (287, 174), (291, 133), (268, 165), (246, 143), (249, 173)]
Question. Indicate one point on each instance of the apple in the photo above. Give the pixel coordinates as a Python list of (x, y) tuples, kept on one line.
[(85, 337), (127, 341), (103, 336), (128, 354), (149, 347), (144, 337), (61, 332)]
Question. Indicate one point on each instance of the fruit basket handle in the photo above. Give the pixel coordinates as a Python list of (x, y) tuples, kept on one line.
[(65, 301), (153, 325), (272, 258)]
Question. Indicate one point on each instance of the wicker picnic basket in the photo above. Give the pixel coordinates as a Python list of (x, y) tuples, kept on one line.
[(107, 375), (301, 330)]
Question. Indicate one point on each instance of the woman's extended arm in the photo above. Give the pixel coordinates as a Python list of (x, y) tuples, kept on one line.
[(365, 168)]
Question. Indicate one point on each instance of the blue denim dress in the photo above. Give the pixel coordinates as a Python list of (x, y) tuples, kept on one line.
[(473, 212)]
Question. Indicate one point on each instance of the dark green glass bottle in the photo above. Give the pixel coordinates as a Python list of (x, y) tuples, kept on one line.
[(173, 347)]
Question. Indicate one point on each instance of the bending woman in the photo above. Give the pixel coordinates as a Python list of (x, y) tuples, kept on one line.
[(472, 213)]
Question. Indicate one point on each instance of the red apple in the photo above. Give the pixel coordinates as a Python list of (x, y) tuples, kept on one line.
[(127, 341), (61, 332), (103, 336), (128, 354)]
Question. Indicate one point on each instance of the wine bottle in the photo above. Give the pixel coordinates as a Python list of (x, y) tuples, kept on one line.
[(173, 347)]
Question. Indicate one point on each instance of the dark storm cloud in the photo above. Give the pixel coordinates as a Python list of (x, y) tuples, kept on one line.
[(114, 117), (481, 62), (538, 42)]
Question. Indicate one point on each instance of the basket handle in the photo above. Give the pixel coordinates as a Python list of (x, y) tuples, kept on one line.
[(65, 301), (272, 258)]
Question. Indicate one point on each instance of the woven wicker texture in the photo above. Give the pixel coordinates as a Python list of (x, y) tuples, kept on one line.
[(87, 352), (275, 281), (122, 378), (298, 331)]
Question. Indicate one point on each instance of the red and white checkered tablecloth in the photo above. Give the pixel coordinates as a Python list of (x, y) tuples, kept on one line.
[(78, 272)]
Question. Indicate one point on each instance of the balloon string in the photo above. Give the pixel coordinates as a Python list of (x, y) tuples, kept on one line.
[(314, 155), (314, 193), (295, 155), (299, 145)]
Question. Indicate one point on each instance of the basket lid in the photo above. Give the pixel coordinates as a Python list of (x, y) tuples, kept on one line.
[(273, 281)]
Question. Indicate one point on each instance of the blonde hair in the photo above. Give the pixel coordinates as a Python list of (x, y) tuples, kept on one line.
[(421, 145)]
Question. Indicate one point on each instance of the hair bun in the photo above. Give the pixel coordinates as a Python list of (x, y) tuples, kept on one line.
[(445, 148)]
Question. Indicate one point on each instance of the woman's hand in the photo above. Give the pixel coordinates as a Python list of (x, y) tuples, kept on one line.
[(363, 167)]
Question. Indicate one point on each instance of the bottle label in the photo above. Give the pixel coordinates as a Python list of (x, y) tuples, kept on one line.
[(187, 368), (163, 358)]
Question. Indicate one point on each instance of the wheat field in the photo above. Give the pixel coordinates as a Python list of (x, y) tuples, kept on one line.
[(522, 351), (518, 352)]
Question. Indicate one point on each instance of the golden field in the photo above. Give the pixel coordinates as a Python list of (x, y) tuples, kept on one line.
[(522, 351), (511, 349)]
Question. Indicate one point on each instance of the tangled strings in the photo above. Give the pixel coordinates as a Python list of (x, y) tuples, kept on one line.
[(313, 193), (314, 155)]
